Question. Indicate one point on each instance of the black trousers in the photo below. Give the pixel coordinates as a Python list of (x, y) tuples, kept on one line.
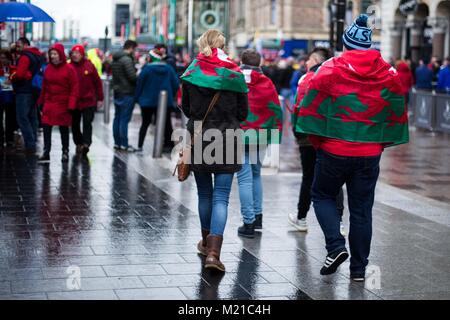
[(64, 131), (8, 115), (308, 158), (149, 117), (85, 137)]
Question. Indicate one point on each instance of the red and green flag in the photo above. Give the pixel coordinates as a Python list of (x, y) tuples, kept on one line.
[(357, 98), (265, 113), (217, 72)]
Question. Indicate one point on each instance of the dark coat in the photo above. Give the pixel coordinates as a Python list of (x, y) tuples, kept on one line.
[(154, 78), (229, 112), (424, 78), (124, 74)]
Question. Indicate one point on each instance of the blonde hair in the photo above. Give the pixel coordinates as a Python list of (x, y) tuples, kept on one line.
[(209, 40)]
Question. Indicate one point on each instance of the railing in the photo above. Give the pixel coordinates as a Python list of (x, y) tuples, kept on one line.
[(431, 110)]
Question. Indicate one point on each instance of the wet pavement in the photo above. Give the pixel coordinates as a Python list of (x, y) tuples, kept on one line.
[(130, 230)]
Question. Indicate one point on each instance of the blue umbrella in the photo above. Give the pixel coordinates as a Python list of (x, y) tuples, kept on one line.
[(22, 12)]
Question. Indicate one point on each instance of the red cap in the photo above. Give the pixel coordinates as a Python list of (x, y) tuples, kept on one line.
[(79, 48)]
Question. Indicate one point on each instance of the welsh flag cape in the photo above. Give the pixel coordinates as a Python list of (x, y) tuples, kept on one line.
[(216, 72), (264, 108), (357, 98)]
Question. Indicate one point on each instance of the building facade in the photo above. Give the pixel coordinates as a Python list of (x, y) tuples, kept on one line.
[(420, 33), (294, 25)]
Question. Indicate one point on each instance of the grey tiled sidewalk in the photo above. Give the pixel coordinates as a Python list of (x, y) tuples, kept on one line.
[(132, 230)]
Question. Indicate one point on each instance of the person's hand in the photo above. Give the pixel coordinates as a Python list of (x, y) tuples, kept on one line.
[(99, 104)]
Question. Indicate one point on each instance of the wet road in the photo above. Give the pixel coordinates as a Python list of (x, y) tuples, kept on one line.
[(131, 230)]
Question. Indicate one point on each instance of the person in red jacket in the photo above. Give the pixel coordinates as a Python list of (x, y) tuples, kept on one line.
[(90, 98), (406, 78), (308, 154), (59, 97), (28, 65)]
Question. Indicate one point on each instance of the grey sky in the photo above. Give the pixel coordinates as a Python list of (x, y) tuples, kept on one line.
[(94, 15)]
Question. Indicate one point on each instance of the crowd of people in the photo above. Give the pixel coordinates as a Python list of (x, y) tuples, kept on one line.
[(340, 123), (338, 115)]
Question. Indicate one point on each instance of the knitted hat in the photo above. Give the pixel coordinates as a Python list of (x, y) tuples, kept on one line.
[(79, 48), (358, 36), (155, 55)]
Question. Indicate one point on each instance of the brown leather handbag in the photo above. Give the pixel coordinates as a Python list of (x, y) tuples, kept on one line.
[(183, 166)]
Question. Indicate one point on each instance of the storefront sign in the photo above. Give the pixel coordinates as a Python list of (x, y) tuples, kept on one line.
[(408, 6)]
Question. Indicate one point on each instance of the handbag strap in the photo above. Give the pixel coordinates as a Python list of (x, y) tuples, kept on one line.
[(214, 101), (212, 105)]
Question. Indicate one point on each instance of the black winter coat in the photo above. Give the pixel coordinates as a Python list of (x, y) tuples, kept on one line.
[(230, 110), (123, 74)]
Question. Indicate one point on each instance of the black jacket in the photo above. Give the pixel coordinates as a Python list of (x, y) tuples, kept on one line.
[(229, 112), (124, 74)]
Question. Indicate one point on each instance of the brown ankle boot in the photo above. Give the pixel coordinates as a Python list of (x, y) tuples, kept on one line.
[(214, 247), (202, 245)]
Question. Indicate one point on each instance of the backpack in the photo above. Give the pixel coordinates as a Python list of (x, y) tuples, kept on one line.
[(37, 69)]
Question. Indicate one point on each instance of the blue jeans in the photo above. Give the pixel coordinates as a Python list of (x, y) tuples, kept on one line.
[(124, 111), (213, 200), (250, 186), (360, 174), (27, 120)]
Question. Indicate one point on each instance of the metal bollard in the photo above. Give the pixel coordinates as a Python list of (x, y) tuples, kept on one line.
[(107, 100), (160, 125)]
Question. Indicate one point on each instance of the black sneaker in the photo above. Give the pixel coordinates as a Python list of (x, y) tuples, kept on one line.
[(258, 222), (45, 158), (333, 261), (85, 150), (65, 157), (358, 277), (247, 231)]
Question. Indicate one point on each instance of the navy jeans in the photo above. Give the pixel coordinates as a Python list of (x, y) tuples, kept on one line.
[(213, 200), (124, 111), (27, 120), (360, 174)]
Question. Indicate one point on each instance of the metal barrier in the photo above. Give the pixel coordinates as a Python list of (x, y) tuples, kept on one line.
[(107, 92), (161, 118), (432, 111)]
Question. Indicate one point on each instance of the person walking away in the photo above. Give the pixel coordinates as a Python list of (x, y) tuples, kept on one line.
[(7, 103), (354, 108), (155, 77), (124, 86), (444, 78), (265, 114), (201, 84), (424, 77), (58, 98), (406, 78), (89, 99), (307, 152), (28, 65)]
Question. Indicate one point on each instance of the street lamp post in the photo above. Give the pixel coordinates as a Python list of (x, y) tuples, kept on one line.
[(340, 19)]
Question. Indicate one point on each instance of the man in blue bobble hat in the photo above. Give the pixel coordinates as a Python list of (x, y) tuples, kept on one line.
[(352, 110)]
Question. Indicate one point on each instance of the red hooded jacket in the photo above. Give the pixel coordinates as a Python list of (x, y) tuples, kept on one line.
[(23, 72), (59, 91), (90, 84), (406, 77)]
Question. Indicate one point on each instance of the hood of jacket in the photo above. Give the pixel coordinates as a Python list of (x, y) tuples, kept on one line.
[(363, 63), (158, 67), (119, 55), (59, 47), (33, 50)]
